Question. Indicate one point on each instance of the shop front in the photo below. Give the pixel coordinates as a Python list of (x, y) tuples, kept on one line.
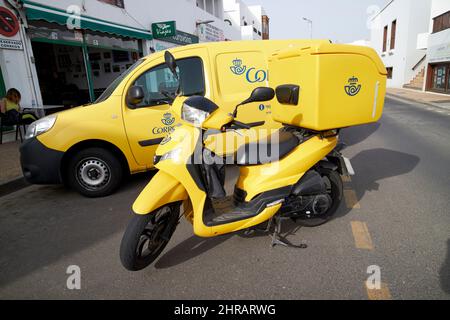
[(75, 65), (438, 78)]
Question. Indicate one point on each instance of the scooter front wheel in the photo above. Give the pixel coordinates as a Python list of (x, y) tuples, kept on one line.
[(146, 237)]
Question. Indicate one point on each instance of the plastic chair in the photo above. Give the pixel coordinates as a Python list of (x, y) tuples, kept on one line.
[(5, 123)]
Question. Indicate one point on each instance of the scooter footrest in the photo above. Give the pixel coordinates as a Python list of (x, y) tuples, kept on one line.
[(231, 217)]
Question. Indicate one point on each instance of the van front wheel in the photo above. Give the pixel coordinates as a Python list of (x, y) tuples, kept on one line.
[(95, 172)]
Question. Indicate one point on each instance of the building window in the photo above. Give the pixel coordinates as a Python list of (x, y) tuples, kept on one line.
[(389, 70), (441, 22), (393, 31), (385, 33), (255, 30), (117, 3)]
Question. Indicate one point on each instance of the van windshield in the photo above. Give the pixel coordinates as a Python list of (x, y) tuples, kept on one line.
[(108, 92)]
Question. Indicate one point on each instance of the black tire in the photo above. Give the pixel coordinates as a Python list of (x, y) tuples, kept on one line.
[(139, 232), (336, 194), (95, 172)]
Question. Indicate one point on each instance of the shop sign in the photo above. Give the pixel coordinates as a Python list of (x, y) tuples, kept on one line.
[(182, 38), (209, 33), (440, 53), (164, 29), (159, 45), (9, 24), (11, 44)]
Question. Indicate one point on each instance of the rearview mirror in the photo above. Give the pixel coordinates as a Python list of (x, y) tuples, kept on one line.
[(171, 63), (260, 94), (135, 96)]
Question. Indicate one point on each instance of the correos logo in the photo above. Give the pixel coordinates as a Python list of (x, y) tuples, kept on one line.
[(252, 75)]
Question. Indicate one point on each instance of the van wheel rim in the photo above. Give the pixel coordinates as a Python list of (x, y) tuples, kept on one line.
[(93, 173)]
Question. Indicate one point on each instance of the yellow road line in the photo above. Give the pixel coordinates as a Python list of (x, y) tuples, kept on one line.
[(350, 199), (361, 235), (379, 294)]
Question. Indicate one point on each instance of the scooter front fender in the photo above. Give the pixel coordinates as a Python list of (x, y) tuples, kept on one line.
[(161, 190)]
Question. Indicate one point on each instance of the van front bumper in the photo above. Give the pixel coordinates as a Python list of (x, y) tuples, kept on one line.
[(40, 165)]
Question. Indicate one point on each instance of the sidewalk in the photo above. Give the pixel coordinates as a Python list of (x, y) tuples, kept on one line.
[(11, 177), (433, 99)]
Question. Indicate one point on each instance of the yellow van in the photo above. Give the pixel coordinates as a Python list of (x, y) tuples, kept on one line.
[(91, 148)]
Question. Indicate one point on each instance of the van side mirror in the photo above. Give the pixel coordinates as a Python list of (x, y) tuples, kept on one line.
[(135, 96), (259, 94), (171, 63), (288, 94)]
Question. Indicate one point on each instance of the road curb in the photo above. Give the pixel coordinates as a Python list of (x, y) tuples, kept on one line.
[(13, 186), (394, 96)]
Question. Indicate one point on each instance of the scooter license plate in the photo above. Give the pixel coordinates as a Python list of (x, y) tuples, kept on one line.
[(349, 166)]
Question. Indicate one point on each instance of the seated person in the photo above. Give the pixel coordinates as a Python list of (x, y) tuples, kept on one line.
[(11, 110)]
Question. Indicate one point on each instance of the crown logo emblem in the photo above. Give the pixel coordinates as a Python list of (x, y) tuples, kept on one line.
[(353, 87), (237, 68), (167, 119)]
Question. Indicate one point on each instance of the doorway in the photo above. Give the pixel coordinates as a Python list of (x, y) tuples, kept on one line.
[(439, 78), (62, 74)]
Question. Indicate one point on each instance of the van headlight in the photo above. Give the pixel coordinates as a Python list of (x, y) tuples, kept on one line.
[(173, 155), (40, 126), (193, 115)]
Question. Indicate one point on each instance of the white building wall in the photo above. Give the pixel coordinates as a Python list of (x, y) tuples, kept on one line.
[(239, 13), (412, 19)]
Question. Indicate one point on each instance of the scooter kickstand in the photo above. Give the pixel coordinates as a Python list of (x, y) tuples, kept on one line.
[(276, 237)]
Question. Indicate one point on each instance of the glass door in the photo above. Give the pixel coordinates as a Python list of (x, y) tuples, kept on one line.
[(441, 78)]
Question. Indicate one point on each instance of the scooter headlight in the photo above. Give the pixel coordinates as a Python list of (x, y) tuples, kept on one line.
[(40, 126), (193, 115)]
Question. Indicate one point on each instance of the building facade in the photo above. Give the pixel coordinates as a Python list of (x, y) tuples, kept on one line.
[(438, 48), (252, 21), (394, 34), (66, 52)]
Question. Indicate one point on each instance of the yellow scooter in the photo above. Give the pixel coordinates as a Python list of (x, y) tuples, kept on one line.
[(293, 173)]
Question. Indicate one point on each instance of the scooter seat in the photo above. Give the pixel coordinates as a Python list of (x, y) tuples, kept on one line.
[(274, 148)]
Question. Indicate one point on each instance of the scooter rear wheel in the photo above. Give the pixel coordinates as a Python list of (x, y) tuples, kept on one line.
[(335, 191), (146, 237)]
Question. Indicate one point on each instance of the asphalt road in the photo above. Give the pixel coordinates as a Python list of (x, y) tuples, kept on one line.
[(400, 196)]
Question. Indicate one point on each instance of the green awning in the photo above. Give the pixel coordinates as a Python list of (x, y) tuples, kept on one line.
[(36, 11)]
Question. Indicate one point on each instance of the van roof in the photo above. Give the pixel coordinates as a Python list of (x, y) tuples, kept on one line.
[(245, 45)]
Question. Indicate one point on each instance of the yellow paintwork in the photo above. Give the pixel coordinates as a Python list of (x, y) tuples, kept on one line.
[(309, 65), (162, 188), (323, 71), (253, 179), (287, 171), (113, 122)]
